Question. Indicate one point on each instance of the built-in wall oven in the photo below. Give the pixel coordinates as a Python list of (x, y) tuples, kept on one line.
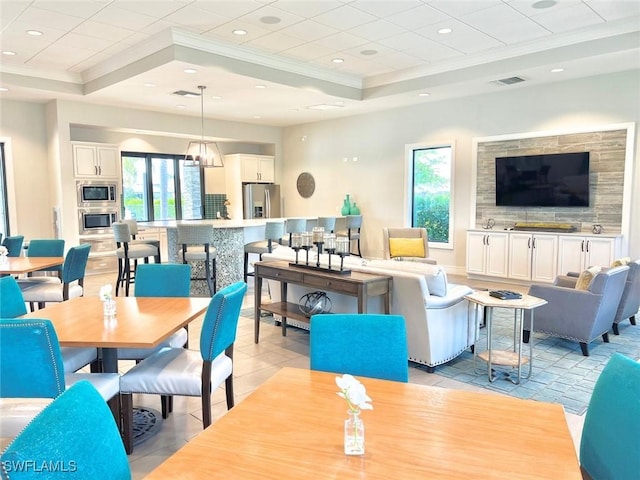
[(96, 221), (97, 193)]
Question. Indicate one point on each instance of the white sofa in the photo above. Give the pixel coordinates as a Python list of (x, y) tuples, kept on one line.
[(436, 313)]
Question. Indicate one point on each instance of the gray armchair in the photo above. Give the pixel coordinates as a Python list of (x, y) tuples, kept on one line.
[(630, 300), (580, 315)]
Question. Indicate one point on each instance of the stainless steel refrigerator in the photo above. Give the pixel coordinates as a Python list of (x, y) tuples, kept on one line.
[(261, 200)]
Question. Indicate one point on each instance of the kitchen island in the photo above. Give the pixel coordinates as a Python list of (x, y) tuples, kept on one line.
[(229, 239), (230, 236)]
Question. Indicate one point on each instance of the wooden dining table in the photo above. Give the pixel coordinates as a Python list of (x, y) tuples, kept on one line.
[(291, 427), (20, 265), (140, 322)]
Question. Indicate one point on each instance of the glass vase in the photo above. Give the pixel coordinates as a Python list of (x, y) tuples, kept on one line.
[(354, 434), (109, 308)]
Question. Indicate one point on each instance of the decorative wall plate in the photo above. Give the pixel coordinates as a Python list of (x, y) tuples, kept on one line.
[(306, 185)]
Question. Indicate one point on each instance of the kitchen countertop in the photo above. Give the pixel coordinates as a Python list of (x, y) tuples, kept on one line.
[(217, 223)]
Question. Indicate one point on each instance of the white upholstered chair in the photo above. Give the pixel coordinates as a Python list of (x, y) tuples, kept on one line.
[(410, 244)]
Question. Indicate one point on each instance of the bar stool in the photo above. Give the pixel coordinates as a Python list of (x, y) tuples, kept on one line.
[(196, 245), (126, 251), (273, 232), (328, 223), (293, 225), (133, 230), (354, 222)]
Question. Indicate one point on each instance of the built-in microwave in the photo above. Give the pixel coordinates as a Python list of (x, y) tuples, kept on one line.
[(93, 221), (92, 193)]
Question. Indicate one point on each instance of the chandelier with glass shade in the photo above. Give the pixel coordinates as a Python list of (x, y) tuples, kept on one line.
[(202, 153)]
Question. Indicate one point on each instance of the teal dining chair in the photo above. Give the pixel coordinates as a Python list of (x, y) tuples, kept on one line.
[(74, 433), (11, 301), (13, 306), (361, 344), (180, 371), (14, 245), (160, 280), (31, 366), (49, 289), (47, 248), (611, 428)]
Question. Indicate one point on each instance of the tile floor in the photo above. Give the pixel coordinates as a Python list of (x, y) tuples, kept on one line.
[(253, 364)]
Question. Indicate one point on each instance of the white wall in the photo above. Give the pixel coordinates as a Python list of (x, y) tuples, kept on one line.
[(376, 181), (23, 124)]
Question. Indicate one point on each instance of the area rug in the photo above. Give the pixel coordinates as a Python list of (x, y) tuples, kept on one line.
[(146, 423), (561, 374)]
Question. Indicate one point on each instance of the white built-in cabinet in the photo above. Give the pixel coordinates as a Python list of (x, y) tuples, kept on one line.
[(537, 257), (95, 160), (258, 168), (579, 252), (487, 253), (533, 257)]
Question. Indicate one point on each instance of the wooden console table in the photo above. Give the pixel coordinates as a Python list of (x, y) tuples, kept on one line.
[(357, 284)]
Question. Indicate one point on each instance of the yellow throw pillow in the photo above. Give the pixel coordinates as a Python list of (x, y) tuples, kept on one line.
[(584, 280), (621, 261), (406, 247)]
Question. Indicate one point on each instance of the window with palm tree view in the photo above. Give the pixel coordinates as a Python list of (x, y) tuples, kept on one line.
[(431, 201), (160, 187)]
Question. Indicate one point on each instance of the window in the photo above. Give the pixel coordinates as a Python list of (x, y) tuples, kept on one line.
[(431, 198), (159, 187)]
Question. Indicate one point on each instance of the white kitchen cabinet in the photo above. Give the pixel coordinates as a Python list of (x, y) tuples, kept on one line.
[(487, 253), (533, 257), (579, 252), (96, 160), (258, 168)]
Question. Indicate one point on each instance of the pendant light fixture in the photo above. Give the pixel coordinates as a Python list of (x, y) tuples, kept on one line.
[(201, 153)]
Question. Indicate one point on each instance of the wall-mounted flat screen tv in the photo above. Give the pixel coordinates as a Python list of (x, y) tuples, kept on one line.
[(550, 180)]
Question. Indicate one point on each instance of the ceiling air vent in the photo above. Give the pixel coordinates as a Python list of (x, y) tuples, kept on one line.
[(509, 81), (185, 93)]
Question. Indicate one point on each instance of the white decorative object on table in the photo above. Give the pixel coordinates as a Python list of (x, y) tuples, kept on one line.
[(3, 254), (357, 399), (108, 303)]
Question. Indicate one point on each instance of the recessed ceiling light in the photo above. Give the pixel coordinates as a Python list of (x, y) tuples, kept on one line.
[(239, 31), (190, 70), (424, 94), (149, 84), (270, 20), (368, 52), (339, 103), (181, 106), (338, 60), (544, 4), (35, 33), (444, 31), (257, 116), (557, 70), (216, 97), (4, 89), (261, 86), (9, 53)]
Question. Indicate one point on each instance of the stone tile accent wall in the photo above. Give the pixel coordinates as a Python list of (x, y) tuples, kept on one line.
[(606, 175)]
